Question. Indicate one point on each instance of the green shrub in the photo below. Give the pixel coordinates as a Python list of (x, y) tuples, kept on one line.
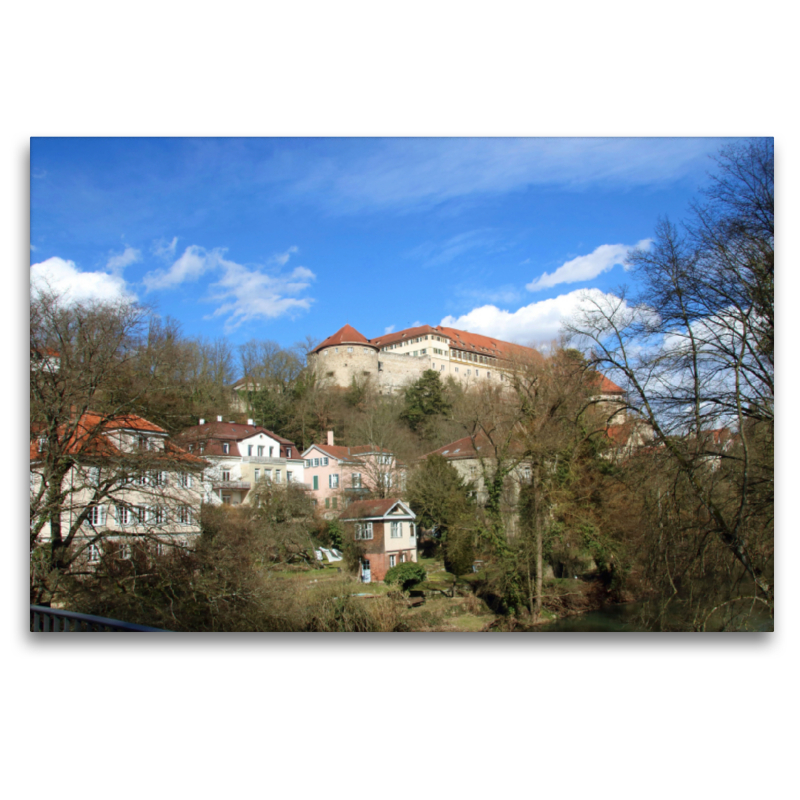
[(407, 575)]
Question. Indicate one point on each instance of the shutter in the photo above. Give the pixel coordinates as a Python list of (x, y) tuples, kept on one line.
[(101, 515), (188, 481)]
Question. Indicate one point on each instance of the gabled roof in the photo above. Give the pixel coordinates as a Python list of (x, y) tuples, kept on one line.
[(461, 448), (469, 448), (213, 434), (604, 385), (90, 438), (373, 509), (346, 453), (345, 335)]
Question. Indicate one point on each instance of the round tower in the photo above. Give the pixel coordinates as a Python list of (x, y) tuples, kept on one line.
[(345, 355)]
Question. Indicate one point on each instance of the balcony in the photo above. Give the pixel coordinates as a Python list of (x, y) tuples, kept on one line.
[(278, 462), (243, 485)]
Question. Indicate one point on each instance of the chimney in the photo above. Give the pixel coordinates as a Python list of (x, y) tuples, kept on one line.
[(202, 421), (249, 422), (330, 438), (219, 418)]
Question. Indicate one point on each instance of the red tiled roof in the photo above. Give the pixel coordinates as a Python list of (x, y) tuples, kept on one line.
[(604, 385), (461, 448), (345, 335), (408, 333), (89, 437), (369, 508), (466, 448), (346, 453), (213, 434)]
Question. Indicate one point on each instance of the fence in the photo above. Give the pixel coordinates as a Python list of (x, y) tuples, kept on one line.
[(49, 620)]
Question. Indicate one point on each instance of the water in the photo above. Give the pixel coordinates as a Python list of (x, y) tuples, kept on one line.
[(640, 616)]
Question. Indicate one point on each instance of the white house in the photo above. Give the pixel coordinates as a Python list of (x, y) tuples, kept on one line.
[(240, 456)]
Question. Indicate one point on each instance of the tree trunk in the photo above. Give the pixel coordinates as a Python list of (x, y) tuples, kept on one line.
[(539, 570)]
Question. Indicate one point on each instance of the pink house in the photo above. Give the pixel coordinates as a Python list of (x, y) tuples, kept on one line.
[(338, 474)]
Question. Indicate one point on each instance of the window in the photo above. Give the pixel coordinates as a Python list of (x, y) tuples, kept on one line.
[(327, 502), (413, 529), (123, 515), (158, 478), (288, 476), (261, 451), (349, 349), (94, 476), (185, 513), (226, 475), (334, 502), (139, 514), (356, 480), (324, 462), (268, 475), (258, 474), (333, 481), (191, 448), (160, 548), (226, 499), (316, 462), (125, 551), (392, 561), (226, 448), (186, 480), (277, 476), (363, 530), (315, 480), (93, 554), (308, 463), (96, 516), (157, 515), (396, 530), (249, 449)]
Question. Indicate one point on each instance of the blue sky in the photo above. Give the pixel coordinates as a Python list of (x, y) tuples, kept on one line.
[(283, 238)]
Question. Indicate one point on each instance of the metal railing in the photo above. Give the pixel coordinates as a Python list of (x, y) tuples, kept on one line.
[(50, 620)]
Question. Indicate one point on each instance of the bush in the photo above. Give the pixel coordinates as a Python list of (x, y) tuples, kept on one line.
[(407, 575)]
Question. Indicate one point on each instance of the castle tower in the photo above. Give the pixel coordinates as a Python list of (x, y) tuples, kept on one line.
[(345, 355)]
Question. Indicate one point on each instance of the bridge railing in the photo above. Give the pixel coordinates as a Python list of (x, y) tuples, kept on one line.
[(50, 620)]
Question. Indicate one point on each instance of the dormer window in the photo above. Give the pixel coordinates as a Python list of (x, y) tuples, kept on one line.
[(226, 448)]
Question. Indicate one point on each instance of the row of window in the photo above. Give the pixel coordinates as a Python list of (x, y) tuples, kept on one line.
[(316, 462), (124, 551), (349, 350), (364, 530), (152, 478), (136, 515)]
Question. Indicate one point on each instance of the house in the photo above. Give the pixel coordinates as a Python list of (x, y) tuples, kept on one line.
[(474, 459), (338, 473), (112, 482), (240, 456), (386, 533)]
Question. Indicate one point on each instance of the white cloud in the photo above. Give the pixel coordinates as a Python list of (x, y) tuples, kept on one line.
[(248, 294), (388, 329), (189, 267), (128, 256), (283, 258), (584, 268), (435, 253), (65, 279), (414, 173), (243, 292), (33, 248), (164, 249), (533, 324)]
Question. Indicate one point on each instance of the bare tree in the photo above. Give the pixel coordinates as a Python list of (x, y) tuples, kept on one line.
[(695, 351)]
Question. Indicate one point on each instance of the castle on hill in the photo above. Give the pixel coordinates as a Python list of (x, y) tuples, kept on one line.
[(394, 360)]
